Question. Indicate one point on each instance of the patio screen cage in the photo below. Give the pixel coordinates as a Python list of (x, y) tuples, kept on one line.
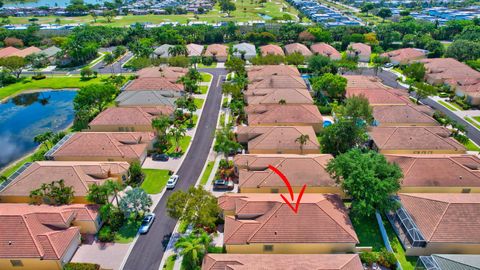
[(48, 155), (412, 233), (12, 177), (427, 263)]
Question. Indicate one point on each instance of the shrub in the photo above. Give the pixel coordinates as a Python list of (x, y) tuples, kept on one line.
[(38, 77), (325, 110), (179, 61), (369, 257), (214, 249), (81, 266), (106, 234), (387, 259), (207, 61), (117, 219)]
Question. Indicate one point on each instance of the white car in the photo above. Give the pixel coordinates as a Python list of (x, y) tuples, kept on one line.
[(172, 181), (147, 223)]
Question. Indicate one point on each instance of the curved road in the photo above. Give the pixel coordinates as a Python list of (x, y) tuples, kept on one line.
[(148, 250)]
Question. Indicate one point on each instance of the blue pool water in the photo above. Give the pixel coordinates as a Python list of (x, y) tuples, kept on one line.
[(327, 123), (27, 115)]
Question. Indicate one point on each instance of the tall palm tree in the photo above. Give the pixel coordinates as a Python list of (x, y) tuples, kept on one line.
[(193, 248), (113, 187), (178, 50), (302, 140), (177, 132)]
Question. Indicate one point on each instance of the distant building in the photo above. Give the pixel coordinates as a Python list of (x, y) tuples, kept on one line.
[(271, 49), (297, 48), (326, 50), (404, 56), (246, 50), (360, 50)]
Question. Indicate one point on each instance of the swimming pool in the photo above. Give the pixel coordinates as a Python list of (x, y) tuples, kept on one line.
[(327, 123)]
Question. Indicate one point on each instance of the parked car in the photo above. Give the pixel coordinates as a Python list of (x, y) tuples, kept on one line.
[(223, 184), (388, 65), (172, 181), (147, 223), (160, 157)]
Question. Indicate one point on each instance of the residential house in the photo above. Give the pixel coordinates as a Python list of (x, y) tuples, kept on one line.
[(120, 119), (403, 115), (255, 72), (79, 175), (277, 81), (246, 51), (282, 261), (415, 140), (362, 81), (8, 51), (218, 51), (284, 115), (263, 224), (380, 97), (153, 84), (438, 173), (171, 74), (146, 98), (360, 50), (194, 50), (12, 51), (44, 237), (163, 51), (326, 50), (271, 49), (278, 140), (448, 262), (51, 53), (461, 78), (404, 56), (297, 48), (310, 170), (278, 96), (438, 223), (103, 146)]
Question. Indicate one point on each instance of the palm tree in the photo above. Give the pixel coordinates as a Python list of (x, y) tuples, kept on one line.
[(113, 187), (178, 50), (161, 125), (177, 132), (193, 248), (225, 141), (282, 102), (49, 138), (189, 85), (302, 140)]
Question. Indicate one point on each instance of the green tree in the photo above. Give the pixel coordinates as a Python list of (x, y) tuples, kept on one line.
[(95, 96), (49, 138), (86, 72), (237, 65), (464, 50), (177, 132), (295, 59), (356, 108), (197, 207), (227, 6), (178, 50), (54, 193), (113, 187), (319, 65), (302, 140), (225, 141), (13, 64), (333, 85), (384, 13), (367, 7), (342, 136), (193, 248), (368, 178), (415, 71), (109, 15), (161, 125), (135, 203), (109, 58), (424, 90), (136, 173), (189, 85), (97, 194)]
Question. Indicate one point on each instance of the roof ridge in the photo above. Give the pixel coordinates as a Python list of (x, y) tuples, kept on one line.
[(441, 218), (280, 204), (325, 199), (449, 140), (233, 233), (76, 170), (114, 144), (389, 137), (40, 249)]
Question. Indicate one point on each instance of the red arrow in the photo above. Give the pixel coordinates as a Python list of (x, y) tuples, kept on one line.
[(290, 190)]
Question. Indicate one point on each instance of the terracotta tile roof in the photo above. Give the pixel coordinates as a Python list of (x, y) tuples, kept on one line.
[(273, 138), (380, 96), (130, 115), (8, 51), (274, 96), (277, 81), (361, 49), (26, 52), (172, 74), (283, 114), (414, 138), (218, 49), (105, 144), (194, 49), (297, 47), (281, 262), (42, 231), (78, 174), (362, 81), (271, 49), (266, 218), (299, 169), (153, 84), (408, 114), (326, 50), (404, 55), (445, 217), (438, 170), (269, 70)]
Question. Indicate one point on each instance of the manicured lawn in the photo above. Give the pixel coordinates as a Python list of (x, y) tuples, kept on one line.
[(407, 262), (182, 228), (47, 83), (471, 146), (473, 122), (222, 119), (17, 165), (170, 262), (206, 77), (203, 89), (184, 142), (155, 180), (213, 65), (477, 118), (450, 106), (207, 173), (199, 102), (127, 232), (368, 232)]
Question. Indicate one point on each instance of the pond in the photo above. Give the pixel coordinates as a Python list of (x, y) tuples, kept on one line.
[(27, 115), (47, 3), (265, 16)]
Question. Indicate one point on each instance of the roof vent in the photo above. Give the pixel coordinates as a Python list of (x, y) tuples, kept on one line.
[(10, 242)]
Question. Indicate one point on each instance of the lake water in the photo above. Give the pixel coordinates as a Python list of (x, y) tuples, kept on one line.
[(27, 115), (48, 3)]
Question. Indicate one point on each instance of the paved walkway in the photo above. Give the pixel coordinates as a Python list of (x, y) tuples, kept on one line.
[(109, 255)]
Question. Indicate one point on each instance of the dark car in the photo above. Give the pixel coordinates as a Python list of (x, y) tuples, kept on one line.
[(160, 157), (223, 184)]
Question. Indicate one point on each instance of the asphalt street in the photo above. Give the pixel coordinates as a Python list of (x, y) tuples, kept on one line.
[(148, 251), (390, 79)]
